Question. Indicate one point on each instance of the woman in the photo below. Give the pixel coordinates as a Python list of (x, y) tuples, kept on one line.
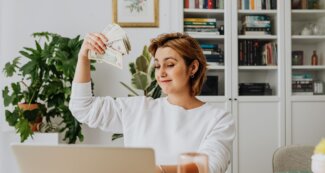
[(171, 125)]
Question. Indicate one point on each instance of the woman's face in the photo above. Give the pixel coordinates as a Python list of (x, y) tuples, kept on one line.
[(171, 72)]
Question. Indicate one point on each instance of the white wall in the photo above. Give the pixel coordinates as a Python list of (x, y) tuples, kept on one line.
[(20, 18)]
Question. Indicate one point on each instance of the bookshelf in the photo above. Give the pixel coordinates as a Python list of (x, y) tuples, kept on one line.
[(216, 38), (307, 34), (305, 103), (251, 110), (266, 121)]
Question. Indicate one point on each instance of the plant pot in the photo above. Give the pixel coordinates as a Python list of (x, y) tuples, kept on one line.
[(34, 125)]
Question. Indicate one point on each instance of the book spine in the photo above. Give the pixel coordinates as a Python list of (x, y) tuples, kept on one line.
[(200, 19), (221, 4), (210, 4), (191, 4), (252, 5), (186, 3), (197, 3)]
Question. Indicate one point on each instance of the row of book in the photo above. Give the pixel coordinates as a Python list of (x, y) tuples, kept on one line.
[(257, 52), (204, 4), (256, 25), (305, 4), (213, 53), (257, 4), (302, 84), (201, 25)]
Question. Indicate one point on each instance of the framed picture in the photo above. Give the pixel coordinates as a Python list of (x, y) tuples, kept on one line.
[(136, 13), (298, 57)]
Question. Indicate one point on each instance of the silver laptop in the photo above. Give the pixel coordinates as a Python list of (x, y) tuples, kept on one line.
[(83, 159)]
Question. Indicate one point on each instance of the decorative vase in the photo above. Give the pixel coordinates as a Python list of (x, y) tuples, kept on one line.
[(318, 163), (314, 58)]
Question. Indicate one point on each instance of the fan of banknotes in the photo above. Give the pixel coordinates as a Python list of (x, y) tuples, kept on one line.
[(118, 45)]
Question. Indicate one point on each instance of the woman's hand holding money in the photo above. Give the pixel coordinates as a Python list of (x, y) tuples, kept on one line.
[(95, 42)]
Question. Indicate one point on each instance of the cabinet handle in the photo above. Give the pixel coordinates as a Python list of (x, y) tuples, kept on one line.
[(235, 99), (229, 99)]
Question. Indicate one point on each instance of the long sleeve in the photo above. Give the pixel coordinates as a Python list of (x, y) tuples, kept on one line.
[(102, 112), (218, 143)]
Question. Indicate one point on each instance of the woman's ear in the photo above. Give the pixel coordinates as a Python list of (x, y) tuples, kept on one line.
[(194, 67)]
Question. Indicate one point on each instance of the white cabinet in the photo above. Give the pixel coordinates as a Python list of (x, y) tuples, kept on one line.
[(280, 116), (305, 99)]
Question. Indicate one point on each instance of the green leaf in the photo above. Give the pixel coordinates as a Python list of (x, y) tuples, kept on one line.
[(10, 68), (27, 55), (23, 128), (38, 46), (140, 80), (152, 85), (29, 67), (132, 68), (31, 115), (146, 54), (156, 93), (6, 98), (142, 64), (12, 117)]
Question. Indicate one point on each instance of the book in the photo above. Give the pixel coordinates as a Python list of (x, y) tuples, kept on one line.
[(200, 20)]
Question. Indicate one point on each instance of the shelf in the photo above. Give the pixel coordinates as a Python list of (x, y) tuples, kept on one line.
[(307, 39), (271, 13), (257, 67), (207, 36), (308, 67), (215, 67), (257, 12), (204, 11), (266, 98), (197, 13), (312, 98), (258, 37), (307, 15)]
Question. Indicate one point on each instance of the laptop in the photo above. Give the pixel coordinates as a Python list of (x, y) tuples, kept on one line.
[(33, 158)]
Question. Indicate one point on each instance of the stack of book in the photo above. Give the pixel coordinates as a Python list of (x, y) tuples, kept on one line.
[(256, 25), (214, 55), (257, 52), (201, 26), (204, 4), (257, 4), (255, 89), (302, 84)]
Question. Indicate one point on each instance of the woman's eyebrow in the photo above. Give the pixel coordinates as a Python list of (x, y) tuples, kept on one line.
[(167, 58)]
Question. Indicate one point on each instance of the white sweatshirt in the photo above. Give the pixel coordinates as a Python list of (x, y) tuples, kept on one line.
[(168, 129)]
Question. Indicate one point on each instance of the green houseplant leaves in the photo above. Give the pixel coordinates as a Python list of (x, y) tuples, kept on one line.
[(46, 79)]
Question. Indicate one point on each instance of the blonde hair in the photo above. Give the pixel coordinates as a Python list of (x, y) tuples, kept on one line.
[(189, 49)]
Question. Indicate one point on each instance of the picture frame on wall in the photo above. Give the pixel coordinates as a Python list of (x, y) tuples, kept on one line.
[(136, 13)]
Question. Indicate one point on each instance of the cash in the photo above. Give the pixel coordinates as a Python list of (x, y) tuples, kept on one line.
[(117, 45)]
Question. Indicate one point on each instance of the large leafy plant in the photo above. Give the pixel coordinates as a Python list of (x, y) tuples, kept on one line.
[(46, 79), (143, 76), (143, 79)]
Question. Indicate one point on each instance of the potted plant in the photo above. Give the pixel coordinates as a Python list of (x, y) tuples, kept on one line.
[(143, 78), (43, 89)]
